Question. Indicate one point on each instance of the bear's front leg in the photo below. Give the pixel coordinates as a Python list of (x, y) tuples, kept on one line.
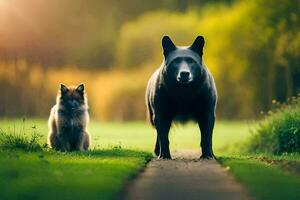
[(206, 125), (162, 126)]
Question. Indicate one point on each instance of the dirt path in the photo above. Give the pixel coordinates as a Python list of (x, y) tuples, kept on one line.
[(185, 178)]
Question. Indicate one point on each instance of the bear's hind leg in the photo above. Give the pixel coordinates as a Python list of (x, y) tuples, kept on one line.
[(157, 147)]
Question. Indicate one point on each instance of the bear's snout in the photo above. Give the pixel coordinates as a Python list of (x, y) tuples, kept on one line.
[(184, 77)]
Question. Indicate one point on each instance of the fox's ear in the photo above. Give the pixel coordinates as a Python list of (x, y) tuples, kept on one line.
[(168, 45), (63, 88), (198, 45), (80, 88)]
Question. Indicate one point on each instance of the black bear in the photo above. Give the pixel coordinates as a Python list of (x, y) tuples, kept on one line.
[(182, 89)]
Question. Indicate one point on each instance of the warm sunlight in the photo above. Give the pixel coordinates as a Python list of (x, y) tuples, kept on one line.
[(168, 99), (5, 3)]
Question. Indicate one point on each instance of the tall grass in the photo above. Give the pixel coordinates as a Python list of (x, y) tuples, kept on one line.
[(20, 140), (279, 131)]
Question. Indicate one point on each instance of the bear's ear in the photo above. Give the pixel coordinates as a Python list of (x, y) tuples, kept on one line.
[(80, 88), (63, 88), (198, 45), (167, 45)]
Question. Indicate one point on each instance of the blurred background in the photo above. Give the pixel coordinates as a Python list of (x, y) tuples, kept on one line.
[(252, 48)]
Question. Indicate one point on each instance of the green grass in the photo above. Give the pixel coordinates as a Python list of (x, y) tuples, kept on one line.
[(101, 172), (279, 131), (52, 175), (29, 170), (37, 173), (14, 141), (141, 136), (264, 181)]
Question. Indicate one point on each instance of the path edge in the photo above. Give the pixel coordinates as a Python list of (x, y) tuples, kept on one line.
[(128, 182)]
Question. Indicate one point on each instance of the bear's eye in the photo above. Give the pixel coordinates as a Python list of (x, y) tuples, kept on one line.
[(191, 61), (176, 61)]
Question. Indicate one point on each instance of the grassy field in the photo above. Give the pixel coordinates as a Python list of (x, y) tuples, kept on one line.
[(264, 180), (271, 168), (50, 175), (120, 150), (141, 136)]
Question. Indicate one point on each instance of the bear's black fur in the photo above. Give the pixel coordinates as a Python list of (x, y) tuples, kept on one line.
[(181, 89)]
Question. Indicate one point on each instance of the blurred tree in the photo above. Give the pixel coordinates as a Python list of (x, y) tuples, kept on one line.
[(73, 32), (252, 49)]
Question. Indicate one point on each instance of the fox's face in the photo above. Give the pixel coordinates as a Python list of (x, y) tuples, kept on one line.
[(183, 65), (71, 97)]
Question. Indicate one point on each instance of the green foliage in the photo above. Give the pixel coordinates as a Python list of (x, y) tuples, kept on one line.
[(30, 170), (251, 47), (97, 174), (101, 173), (262, 180), (279, 131), (21, 141), (140, 40), (72, 31)]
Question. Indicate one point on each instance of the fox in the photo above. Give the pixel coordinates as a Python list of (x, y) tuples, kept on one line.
[(68, 120)]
